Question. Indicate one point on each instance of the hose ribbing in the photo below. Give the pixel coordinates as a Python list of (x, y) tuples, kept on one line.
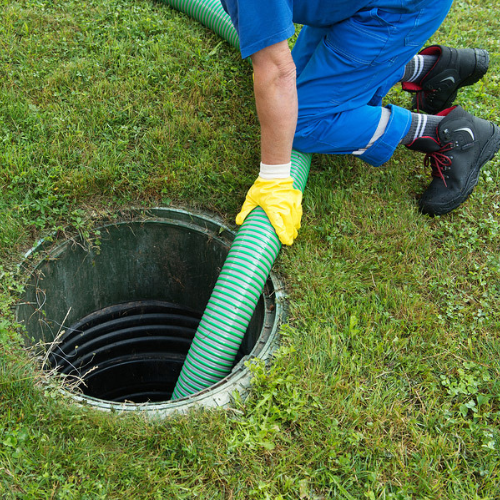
[(247, 266), (235, 296), (211, 14)]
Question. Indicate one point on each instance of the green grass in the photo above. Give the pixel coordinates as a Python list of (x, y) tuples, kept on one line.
[(387, 381)]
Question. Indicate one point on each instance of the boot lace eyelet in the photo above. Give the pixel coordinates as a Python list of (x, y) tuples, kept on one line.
[(440, 162)]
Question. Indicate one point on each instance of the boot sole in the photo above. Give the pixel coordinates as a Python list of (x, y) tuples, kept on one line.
[(487, 153), (482, 65)]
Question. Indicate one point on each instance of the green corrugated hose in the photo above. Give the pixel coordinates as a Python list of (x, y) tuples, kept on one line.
[(247, 266)]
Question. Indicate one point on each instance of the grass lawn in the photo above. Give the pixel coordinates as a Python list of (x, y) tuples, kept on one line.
[(386, 384)]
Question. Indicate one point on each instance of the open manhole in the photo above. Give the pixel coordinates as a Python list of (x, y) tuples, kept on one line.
[(116, 320)]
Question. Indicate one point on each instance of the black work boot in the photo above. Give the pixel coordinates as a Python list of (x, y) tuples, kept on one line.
[(464, 144), (454, 68)]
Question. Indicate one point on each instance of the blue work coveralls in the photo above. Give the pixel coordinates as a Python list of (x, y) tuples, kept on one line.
[(348, 55)]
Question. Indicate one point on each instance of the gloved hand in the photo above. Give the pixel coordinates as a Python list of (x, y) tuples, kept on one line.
[(280, 201)]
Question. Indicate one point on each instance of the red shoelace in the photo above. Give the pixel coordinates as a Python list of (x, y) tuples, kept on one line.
[(439, 161)]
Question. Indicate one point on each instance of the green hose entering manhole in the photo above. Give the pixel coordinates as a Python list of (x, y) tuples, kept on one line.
[(116, 320)]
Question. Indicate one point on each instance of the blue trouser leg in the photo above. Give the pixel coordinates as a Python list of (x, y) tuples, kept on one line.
[(344, 71)]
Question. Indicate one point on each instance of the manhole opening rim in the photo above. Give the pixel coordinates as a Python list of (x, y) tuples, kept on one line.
[(217, 395)]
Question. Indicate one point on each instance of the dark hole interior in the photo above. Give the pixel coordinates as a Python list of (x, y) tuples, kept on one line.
[(130, 352), (133, 303)]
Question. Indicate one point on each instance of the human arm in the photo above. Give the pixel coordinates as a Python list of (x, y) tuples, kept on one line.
[(276, 101)]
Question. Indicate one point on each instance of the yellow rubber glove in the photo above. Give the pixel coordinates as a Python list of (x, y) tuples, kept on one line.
[(280, 201)]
